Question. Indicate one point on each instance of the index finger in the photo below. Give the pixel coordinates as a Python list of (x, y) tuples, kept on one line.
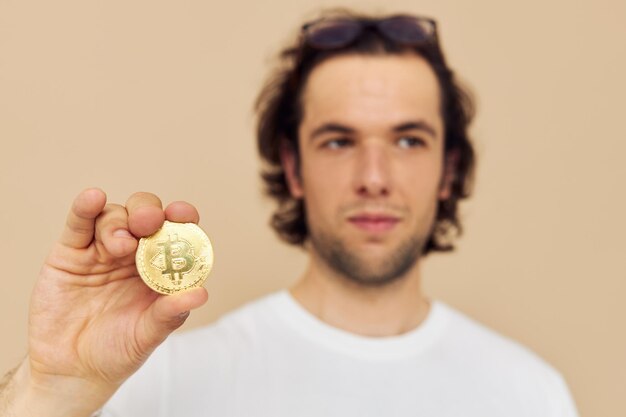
[(79, 226)]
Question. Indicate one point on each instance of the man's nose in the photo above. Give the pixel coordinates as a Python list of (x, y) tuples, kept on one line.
[(372, 172)]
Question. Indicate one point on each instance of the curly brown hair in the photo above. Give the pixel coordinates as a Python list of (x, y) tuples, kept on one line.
[(279, 111)]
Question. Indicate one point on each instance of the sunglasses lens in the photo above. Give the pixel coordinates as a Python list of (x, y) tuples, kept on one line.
[(330, 34), (407, 29)]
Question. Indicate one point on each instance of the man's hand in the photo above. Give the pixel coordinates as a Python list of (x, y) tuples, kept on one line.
[(93, 322)]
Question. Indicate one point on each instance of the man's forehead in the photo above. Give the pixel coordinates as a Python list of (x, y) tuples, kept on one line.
[(353, 84)]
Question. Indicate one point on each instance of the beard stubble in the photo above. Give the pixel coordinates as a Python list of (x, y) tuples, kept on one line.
[(349, 264)]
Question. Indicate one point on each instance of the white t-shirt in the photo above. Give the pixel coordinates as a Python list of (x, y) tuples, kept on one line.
[(273, 358)]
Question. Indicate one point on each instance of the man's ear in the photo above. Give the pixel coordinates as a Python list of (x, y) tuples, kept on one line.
[(450, 167), (290, 163)]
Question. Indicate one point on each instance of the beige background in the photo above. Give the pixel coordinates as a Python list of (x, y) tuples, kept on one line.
[(157, 96)]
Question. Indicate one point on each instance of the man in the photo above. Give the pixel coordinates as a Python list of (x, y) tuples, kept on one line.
[(365, 134)]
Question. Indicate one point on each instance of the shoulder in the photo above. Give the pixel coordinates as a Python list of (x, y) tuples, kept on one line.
[(498, 360), (478, 340)]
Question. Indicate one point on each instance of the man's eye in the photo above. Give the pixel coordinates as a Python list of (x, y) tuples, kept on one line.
[(337, 143), (410, 142)]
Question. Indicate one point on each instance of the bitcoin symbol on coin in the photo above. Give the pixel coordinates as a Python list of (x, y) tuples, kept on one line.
[(178, 259)]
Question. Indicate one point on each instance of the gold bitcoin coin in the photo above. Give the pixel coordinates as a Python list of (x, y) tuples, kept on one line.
[(176, 257)]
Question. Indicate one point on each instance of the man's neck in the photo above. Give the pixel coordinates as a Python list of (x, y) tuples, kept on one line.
[(387, 310)]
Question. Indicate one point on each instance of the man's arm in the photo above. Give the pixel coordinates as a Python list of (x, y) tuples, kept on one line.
[(6, 390), (20, 397)]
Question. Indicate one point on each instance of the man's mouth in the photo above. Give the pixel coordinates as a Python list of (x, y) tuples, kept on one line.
[(374, 222)]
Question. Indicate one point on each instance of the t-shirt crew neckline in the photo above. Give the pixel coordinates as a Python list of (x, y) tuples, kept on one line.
[(408, 344)]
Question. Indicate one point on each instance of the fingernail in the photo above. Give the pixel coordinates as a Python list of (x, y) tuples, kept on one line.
[(183, 315), (122, 233)]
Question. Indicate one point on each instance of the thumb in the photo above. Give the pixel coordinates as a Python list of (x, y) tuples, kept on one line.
[(166, 314)]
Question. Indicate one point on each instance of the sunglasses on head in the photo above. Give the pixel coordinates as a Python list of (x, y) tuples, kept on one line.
[(333, 33)]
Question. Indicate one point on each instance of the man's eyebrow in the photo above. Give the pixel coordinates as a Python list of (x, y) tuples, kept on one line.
[(416, 125), (331, 128)]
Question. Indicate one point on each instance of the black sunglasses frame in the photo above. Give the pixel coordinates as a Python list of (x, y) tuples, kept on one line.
[(422, 29)]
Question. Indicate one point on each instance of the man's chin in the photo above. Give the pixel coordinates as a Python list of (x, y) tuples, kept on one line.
[(373, 277), (367, 263), (374, 266)]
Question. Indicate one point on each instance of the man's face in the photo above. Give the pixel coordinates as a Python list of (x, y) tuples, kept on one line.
[(371, 148)]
